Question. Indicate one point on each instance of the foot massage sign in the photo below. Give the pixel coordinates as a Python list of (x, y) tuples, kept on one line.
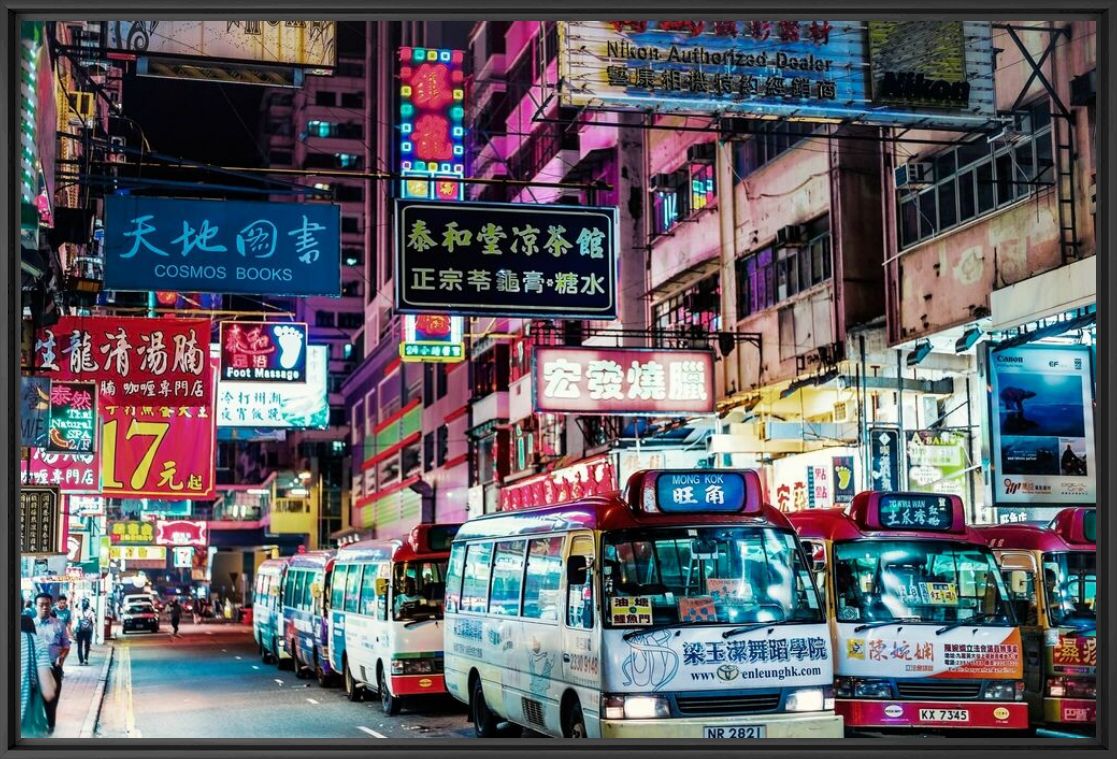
[(263, 352)]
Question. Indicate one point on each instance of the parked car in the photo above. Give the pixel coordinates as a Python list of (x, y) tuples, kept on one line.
[(139, 615)]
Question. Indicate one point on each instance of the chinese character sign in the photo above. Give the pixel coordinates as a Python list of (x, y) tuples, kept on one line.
[(294, 43), (888, 73), (132, 532), (157, 451), (39, 520), (884, 459), (181, 532), (263, 351), (432, 338), (431, 131), (700, 492), (916, 511), (69, 472), (73, 417), (222, 246), (132, 360), (623, 381), (291, 405), (506, 259)]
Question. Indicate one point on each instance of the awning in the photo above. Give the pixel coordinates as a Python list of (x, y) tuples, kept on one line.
[(1049, 330), (1045, 295)]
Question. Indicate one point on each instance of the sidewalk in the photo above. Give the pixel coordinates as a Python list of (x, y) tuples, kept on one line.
[(82, 691)]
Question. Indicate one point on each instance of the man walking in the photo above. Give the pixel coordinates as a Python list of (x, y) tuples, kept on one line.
[(176, 617), (52, 634), (64, 614), (83, 631)]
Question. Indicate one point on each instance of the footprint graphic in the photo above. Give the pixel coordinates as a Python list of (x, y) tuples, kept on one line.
[(290, 346)]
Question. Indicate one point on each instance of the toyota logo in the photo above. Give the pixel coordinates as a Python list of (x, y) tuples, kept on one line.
[(728, 672)]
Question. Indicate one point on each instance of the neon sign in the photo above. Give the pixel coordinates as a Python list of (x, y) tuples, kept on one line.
[(431, 131)]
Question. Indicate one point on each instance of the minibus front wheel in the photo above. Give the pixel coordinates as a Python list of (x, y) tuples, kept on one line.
[(573, 723), (484, 721), (353, 691), (388, 703)]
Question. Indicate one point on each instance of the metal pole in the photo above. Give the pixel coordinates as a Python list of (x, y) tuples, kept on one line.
[(902, 454), (969, 447)]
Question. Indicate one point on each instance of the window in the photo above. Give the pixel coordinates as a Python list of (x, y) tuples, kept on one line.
[(768, 140), (508, 578), (309, 601), (352, 588), (337, 594), (698, 306), (348, 320), (352, 256), (325, 98), (490, 372), (1071, 588), (409, 461), (756, 283), (352, 100), (367, 604), (298, 589), (350, 193), (349, 68), (680, 194), (348, 161), (352, 289), (324, 318), (979, 176), (454, 574), (1021, 586), (543, 583), (443, 445), (579, 598), (317, 128), (772, 275), (475, 588), (418, 589), (279, 157), (441, 377), (428, 451), (351, 224)]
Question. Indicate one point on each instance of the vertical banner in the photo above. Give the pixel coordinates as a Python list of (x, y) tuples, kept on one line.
[(39, 520), (884, 459), (844, 485), (34, 408), (73, 417), (160, 452), (1042, 415)]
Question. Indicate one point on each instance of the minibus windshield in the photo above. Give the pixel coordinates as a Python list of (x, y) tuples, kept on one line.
[(418, 590), (929, 581), (1070, 582), (705, 576)]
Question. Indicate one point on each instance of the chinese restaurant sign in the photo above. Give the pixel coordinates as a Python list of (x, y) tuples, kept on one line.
[(132, 360), (39, 520), (69, 472), (431, 131), (889, 73), (1042, 417), (293, 43), (595, 476), (132, 533), (433, 338), (623, 381), (34, 417), (228, 246), (73, 417), (181, 532), (263, 352), (157, 451), (506, 259), (279, 404)]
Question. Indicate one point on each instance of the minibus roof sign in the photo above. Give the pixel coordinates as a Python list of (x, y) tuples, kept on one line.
[(695, 491), (916, 512), (1076, 525)]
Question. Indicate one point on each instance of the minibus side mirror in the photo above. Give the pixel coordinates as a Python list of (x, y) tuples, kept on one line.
[(816, 554), (577, 570)]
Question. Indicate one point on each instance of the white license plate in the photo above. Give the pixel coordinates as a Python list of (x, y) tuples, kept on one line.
[(734, 732), (944, 715)]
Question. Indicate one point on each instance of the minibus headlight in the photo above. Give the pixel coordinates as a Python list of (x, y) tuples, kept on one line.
[(872, 689), (806, 700), (843, 687), (635, 707), (412, 666), (1071, 687), (1004, 690)]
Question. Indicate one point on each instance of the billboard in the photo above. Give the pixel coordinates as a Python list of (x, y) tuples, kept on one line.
[(39, 520), (503, 259), (280, 43), (131, 532), (73, 417), (132, 360), (157, 451), (624, 381), (263, 351), (228, 246), (938, 461), (431, 130), (1042, 419), (181, 532), (34, 411), (926, 73), (69, 472), (432, 338), (279, 404)]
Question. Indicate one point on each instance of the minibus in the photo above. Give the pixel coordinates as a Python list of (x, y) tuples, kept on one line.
[(304, 625), (267, 610)]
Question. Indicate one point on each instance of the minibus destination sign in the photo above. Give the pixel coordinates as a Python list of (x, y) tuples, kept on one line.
[(700, 492), (916, 511)]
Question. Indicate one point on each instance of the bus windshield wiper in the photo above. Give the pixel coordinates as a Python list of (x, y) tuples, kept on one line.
[(754, 626), (885, 623), (974, 620), (665, 626), (421, 620)]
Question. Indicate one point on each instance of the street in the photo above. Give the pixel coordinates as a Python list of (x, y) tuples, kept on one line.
[(210, 683)]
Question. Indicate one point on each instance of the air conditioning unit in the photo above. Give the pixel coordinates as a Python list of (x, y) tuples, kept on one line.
[(1084, 88), (702, 153), (661, 182), (845, 411), (82, 103), (790, 236), (116, 150), (914, 175)]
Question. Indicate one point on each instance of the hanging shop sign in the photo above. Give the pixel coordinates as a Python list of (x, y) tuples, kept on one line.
[(157, 451), (292, 43), (263, 352), (77, 547), (228, 246), (73, 417), (926, 73), (1042, 417), (159, 507), (132, 532), (810, 480), (181, 532), (39, 520), (431, 130), (34, 411), (845, 485), (69, 472), (937, 461), (279, 404), (432, 338), (132, 360), (84, 505), (884, 459), (183, 557), (625, 381), (138, 553), (502, 259), (596, 476)]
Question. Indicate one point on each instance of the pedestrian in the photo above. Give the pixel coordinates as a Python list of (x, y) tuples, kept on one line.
[(52, 635), (65, 614), (176, 616), (87, 621), (36, 684)]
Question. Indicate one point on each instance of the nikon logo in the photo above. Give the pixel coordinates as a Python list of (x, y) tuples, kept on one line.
[(912, 87)]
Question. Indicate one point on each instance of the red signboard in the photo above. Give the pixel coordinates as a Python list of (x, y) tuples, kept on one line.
[(132, 360), (1081, 651), (623, 381), (181, 532), (69, 472), (595, 476), (157, 452)]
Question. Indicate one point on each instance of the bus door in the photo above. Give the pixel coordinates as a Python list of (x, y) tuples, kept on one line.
[(336, 627), (581, 654), (1021, 575)]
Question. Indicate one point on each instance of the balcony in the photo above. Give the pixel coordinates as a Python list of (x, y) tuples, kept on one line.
[(491, 407)]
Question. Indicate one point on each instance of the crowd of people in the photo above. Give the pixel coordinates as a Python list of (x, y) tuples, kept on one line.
[(48, 628)]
